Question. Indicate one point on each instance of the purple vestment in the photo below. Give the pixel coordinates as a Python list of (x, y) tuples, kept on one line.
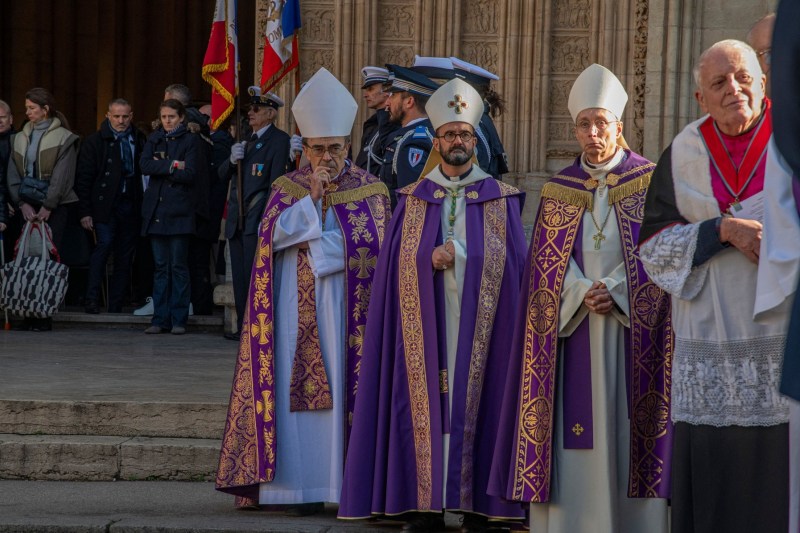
[(522, 469), (249, 446), (394, 461)]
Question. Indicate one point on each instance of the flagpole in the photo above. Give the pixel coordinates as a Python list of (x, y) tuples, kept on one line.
[(299, 156), (239, 180)]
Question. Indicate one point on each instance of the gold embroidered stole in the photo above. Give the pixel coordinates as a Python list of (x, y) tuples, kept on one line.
[(309, 388)]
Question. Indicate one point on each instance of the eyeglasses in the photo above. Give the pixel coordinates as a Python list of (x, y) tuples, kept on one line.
[(319, 151), (766, 53), (450, 136), (600, 124)]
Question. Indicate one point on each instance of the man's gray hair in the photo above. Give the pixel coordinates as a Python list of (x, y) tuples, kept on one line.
[(118, 101), (4, 105), (727, 44), (180, 93)]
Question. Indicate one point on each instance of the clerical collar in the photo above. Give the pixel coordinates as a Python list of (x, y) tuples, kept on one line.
[(599, 171), (456, 178)]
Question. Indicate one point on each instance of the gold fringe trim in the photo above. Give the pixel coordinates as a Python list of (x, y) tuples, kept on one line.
[(355, 195), (615, 194), (291, 188), (584, 199)]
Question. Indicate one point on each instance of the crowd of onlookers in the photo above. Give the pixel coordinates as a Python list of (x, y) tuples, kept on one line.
[(134, 192)]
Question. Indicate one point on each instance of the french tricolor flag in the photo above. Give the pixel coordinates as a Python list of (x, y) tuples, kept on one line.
[(280, 46), (221, 62)]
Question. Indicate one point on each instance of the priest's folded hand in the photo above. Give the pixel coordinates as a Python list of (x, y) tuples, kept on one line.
[(441, 259), (744, 234), (598, 299)]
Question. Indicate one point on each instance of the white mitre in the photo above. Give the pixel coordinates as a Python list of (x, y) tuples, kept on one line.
[(324, 107), (455, 101), (597, 87)]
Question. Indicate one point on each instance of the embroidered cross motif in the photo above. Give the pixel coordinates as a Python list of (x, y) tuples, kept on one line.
[(266, 407), (262, 328), (458, 103), (364, 262), (577, 429)]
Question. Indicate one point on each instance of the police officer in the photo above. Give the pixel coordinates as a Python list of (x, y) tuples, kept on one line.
[(263, 159), (377, 127), (408, 147)]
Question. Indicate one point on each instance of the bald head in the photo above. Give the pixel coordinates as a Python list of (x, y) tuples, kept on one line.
[(760, 38)]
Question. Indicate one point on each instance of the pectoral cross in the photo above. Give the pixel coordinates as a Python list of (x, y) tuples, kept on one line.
[(598, 238)]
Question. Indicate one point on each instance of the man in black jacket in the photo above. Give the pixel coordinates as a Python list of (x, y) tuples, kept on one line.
[(263, 159), (109, 186)]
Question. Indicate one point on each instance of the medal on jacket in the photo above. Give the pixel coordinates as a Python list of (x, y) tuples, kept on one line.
[(258, 169)]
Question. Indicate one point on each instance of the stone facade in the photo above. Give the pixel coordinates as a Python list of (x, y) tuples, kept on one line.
[(537, 47)]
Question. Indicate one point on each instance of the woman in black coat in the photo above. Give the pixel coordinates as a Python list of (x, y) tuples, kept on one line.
[(171, 157)]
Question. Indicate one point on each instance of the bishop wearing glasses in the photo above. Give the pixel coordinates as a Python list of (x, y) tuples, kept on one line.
[(590, 445), (299, 354), (438, 337)]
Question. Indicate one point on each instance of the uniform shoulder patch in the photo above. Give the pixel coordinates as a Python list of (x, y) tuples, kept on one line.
[(421, 132)]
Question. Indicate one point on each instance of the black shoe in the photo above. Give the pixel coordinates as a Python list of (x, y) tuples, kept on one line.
[(475, 523), (24, 325), (42, 324), (232, 336), (424, 523), (92, 308), (305, 509)]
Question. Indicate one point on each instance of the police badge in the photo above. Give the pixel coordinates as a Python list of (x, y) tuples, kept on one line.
[(415, 156)]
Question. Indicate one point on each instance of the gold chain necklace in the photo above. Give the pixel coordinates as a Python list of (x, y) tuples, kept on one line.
[(599, 237)]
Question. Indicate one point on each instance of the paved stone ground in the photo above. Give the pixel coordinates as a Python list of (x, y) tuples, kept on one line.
[(93, 365)]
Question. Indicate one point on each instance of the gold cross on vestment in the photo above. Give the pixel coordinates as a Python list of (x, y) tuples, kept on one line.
[(458, 103), (577, 429)]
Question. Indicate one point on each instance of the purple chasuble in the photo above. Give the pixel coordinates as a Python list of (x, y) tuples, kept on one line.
[(360, 203), (522, 467), (394, 462)]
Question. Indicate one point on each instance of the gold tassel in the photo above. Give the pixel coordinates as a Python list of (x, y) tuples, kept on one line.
[(355, 195), (619, 192), (584, 199), (291, 188)]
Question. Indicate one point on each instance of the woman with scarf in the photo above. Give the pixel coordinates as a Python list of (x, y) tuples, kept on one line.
[(171, 158), (41, 172)]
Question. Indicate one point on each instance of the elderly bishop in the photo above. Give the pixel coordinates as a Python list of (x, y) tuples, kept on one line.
[(590, 448), (300, 350)]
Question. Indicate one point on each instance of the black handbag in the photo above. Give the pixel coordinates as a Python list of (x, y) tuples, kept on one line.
[(33, 191)]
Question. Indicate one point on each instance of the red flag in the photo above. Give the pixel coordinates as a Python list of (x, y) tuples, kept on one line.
[(221, 62), (280, 41)]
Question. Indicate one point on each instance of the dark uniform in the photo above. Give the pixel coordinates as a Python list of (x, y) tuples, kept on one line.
[(490, 152), (378, 131), (405, 154), (266, 158), (406, 149), (376, 127)]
